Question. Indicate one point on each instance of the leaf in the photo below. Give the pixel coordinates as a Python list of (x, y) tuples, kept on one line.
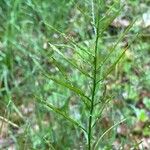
[(60, 112), (70, 40), (72, 88), (9, 122), (79, 53), (117, 42), (101, 111), (107, 19), (65, 84), (114, 64), (61, 69), (109, 129), (69, 61), (118, 59)]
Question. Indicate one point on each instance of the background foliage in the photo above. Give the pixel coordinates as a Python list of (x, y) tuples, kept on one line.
[(26, 29)]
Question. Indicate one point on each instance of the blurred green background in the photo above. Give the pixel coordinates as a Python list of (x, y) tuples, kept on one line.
[(26, 28)]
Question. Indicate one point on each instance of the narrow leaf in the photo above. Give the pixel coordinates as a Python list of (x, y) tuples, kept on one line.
[(72, 88), (114, 64), (109, 129), (65, 84), (69, 61), (60, 112), (101, 111), (61, 69), (107, 22), (77, 52), (117, 42), (118, 59), (9, 122), (70, 39)]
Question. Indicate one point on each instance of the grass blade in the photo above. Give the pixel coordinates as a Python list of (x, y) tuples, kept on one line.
[(77, 52), (69, 61), (9, 122), (117, 42), (108, 20), (114, 64), (101, 111), (109, 129), (70, 87), (60, 112), (61, 69), (65, 84), (69, 39), (118, 59)]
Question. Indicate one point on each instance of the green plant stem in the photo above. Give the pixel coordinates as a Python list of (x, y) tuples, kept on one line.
[(91, 113), (93, 90)]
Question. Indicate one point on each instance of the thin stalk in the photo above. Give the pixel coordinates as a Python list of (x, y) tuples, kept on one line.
[(9, 122), (94, 81), (109, 129), (91, 113)]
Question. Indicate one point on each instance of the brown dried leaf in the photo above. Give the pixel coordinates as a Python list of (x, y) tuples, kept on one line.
[(119, 22)]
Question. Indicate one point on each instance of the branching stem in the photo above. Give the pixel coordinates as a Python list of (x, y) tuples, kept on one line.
[(94, 84)]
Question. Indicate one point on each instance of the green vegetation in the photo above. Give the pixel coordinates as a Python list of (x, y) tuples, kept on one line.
[(74, 74)]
